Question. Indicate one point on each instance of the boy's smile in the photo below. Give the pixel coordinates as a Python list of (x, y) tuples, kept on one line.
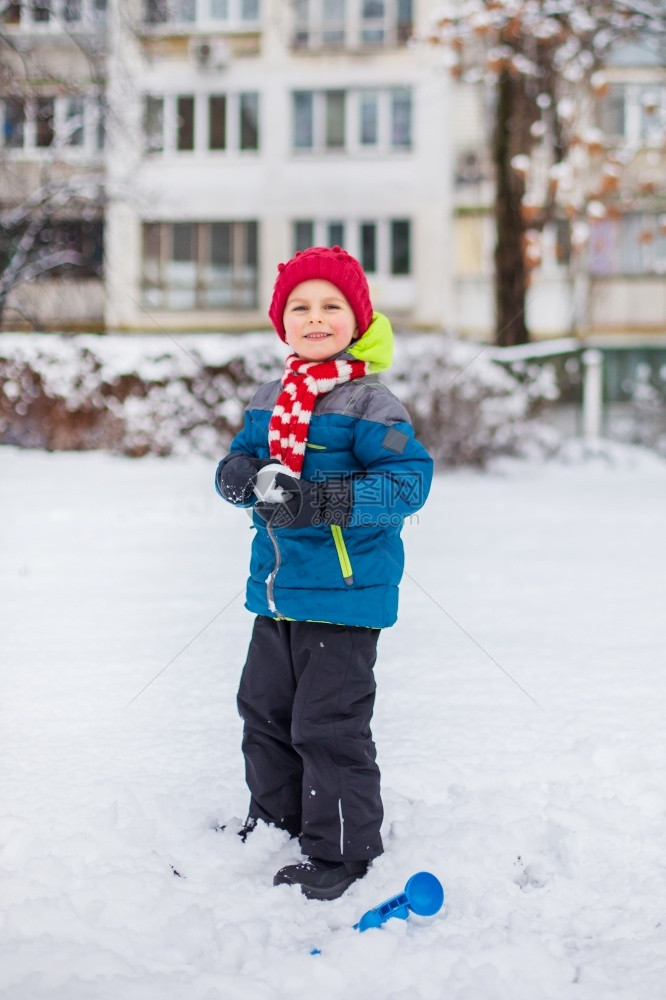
[(318, 320)]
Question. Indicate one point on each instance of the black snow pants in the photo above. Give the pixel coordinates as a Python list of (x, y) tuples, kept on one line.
[(306, 697)]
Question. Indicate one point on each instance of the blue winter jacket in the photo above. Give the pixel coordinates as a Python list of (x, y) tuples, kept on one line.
[(350, 575)]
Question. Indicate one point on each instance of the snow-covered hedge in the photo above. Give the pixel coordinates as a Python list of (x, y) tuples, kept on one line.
[(164, 395), (465, 406)]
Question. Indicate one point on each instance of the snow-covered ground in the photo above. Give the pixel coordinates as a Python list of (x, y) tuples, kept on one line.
[(520, 730)]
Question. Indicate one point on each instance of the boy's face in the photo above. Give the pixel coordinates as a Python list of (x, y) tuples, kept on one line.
[(318, 320)]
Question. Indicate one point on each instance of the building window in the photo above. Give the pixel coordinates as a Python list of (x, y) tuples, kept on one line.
[(233, 14), (303, 119), (303, 235), (217, 121), (369, 246), (69, 126), (74, 121), (169, 11), (12, 12), (383, 246), (373, 15), (228, 122), (301, 34), (185, 123), (71, 11), (47, 16), (334, 14), (185, 10), (634, 113), (249, 10), (330, 234), (334, 24), (41, 11), (13, 126), (62, 248), (155, 12), (369, 118), (611, 111), (200, 265), (99, 122), (248, 111), (180, 266), (334, 102), (81, 241), (153, 124), (45, 123), (400, 247), (634, 244), (336, 234), (401, 118), (322, 120), (320, 23)]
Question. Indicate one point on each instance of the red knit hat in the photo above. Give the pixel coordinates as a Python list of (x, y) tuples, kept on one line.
[(329, 264)]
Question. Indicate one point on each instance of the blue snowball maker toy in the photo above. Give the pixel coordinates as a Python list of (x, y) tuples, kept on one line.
[(423, 895)]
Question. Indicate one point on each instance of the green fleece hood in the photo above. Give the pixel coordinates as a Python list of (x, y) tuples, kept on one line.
[(376, 345)]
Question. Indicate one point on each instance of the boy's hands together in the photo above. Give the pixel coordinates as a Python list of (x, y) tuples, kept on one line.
[(304, 503), (297, 507), (236, 477)]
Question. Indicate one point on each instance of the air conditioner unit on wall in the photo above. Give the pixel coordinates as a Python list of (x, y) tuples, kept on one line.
[(210, 53), (470, 167)]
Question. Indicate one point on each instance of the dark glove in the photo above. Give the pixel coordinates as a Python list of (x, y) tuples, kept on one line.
[(304, 503), (236, 477)]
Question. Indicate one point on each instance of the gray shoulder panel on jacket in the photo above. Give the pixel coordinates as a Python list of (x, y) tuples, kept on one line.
[(364, 399), (266, 395)]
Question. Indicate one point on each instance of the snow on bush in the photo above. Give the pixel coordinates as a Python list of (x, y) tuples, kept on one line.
[(466, 407), (129, 394), (164, 395)]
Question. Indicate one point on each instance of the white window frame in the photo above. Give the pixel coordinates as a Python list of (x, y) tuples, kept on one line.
[(638, 129), (60, 147), (196, 294), (169, 146), (204, 17), (308, 31), (376, 24), (92, 17), (352, 241), (384, 145)]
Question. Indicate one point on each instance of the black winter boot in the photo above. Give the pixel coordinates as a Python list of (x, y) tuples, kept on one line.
[(320, 879)]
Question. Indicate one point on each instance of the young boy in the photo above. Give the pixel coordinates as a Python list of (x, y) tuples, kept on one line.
[(325, 567)]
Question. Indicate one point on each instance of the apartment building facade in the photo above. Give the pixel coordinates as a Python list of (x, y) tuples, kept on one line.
[(248, 130), (190, 145), (52, 169)]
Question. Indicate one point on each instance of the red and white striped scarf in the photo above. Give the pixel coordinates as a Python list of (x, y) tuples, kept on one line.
[(303, 382)]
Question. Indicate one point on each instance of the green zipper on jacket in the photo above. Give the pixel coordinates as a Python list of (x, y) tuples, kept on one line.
[(343, 555)]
